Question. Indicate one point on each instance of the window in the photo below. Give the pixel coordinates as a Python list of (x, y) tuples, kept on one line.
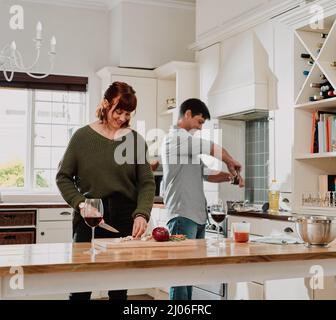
[(35, 128)]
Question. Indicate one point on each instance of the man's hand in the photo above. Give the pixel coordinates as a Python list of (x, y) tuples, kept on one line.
[(234, 167), (241, 182), (139, 227), (219, 177)]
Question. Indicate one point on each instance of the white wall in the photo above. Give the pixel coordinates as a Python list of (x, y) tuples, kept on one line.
[(151, 35), (82, 40), (277, 40)]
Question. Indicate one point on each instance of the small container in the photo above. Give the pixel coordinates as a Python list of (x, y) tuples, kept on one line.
[(240, 231)]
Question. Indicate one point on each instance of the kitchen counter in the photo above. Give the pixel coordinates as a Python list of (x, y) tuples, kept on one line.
[(282, 216), (61, 268), (47, 205)]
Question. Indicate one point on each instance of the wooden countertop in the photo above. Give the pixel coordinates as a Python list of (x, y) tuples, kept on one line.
[(47, 205), (282, 216), (68, 257)]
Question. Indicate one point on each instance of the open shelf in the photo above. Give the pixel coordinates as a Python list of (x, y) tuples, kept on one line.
[(307, 166), (318, 105), (307, 156)]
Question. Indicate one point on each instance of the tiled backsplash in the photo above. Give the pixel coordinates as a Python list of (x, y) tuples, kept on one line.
[(257, 158)]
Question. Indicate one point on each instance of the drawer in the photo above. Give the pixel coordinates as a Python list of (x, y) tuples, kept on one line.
[(17, 237), (54, 214), (17, 218), (264, 227)]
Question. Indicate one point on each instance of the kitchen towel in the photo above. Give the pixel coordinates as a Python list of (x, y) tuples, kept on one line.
[(277, 239)]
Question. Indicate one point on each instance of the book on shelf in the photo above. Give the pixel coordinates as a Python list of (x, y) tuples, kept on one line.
[(323, 134), (327, 182)]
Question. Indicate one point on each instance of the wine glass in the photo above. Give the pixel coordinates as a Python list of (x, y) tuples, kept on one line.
[(218, 214), (93, 215)]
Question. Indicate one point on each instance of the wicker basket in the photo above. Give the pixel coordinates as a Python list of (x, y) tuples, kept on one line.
[(17, 237), (17, 218)]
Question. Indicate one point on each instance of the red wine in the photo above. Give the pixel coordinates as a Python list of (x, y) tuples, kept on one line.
[(218, 217), (93, 221)]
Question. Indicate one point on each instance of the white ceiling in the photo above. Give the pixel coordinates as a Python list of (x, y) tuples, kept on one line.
[(108, 4)]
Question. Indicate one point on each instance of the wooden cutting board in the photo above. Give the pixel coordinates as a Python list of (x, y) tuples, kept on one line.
[(116, 243)]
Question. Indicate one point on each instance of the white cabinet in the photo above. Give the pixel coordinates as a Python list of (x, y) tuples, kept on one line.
[(245, 291), (308, 166), (177, 80), (285, 289), (54, 225)]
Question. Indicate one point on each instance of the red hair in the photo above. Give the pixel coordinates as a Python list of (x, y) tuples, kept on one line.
[(127, 101)]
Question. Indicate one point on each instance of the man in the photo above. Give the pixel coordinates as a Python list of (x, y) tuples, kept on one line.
[(183, 175)]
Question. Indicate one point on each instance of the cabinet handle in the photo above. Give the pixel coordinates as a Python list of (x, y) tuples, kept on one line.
[(42, 233), (65, 213), (289, 230)]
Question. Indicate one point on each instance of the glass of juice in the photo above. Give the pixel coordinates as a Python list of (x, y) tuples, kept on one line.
[(241, 231)]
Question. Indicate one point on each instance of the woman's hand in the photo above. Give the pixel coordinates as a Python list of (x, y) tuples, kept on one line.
[(139, 227)]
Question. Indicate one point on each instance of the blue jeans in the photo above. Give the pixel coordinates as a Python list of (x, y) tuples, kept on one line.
[(191, 230)]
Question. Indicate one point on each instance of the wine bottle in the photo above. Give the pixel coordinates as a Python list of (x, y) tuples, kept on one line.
[(316, 85), (305, 56), (315, 98)]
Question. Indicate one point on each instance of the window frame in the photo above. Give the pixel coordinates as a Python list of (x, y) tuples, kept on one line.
[(29, 168)]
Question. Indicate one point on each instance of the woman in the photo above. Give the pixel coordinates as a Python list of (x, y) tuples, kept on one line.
[(91, 168)]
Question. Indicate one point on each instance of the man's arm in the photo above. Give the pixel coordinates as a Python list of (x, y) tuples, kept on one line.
[(219, 176), (221, 154)]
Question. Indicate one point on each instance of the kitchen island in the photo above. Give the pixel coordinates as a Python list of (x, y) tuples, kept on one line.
[(66, 267)]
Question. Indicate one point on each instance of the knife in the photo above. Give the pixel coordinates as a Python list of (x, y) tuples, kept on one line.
[(108, 227)]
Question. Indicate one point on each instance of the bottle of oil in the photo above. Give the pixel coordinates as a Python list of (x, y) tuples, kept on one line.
[(273, 197)]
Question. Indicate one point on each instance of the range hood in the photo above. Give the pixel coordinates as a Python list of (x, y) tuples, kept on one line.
[(245, 87)]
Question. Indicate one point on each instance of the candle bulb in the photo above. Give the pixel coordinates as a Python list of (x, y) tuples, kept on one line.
[(53, 45), (39, 31), (13, 48)]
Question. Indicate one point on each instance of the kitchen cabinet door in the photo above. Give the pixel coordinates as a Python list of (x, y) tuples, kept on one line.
[(245, 291), (54, 232), (327, 290)]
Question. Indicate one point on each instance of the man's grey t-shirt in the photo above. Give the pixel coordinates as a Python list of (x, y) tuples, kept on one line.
[(183, 175)]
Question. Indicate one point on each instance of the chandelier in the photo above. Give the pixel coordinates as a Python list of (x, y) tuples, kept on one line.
[(11, 59)]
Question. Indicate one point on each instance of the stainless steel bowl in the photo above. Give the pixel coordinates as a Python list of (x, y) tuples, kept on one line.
[(315, 230)]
